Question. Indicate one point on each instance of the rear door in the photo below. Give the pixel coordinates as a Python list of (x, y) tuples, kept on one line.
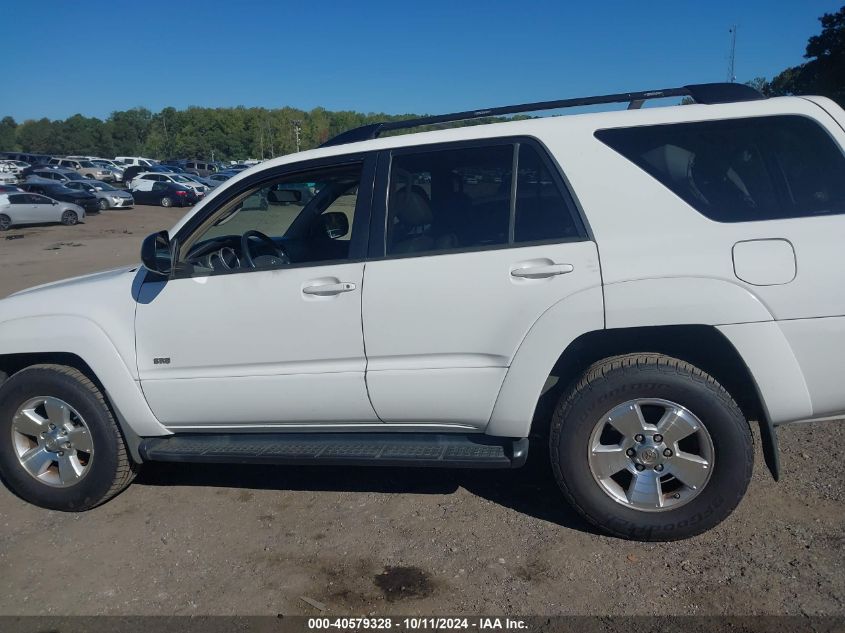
[(473, 243)]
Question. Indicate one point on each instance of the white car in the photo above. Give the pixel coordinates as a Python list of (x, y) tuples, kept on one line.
[(627, 289), (145, 181), (135, 160), (14, 167), (32, 208)]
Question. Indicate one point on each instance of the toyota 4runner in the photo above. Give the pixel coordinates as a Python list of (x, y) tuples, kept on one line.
[(626, 290)]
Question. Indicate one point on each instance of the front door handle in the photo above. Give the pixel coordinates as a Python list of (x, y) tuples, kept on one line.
[(328, 290), (543, 271)]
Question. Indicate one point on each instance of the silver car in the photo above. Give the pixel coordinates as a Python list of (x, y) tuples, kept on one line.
[(32, 208), (108, 197)]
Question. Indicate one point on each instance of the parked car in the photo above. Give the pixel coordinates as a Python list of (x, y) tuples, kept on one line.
[(135, 160), (56, 175), (166, 194), (83, 167), (8, 178), (218, 178), (58, 191), (144, 182), (114, 168), (205, 182), (108, 197), (30, 208), (201, 168), (627, 317), (14, 167)]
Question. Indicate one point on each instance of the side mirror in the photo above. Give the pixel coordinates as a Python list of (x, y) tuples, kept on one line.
[(156, 253), (335, 224)]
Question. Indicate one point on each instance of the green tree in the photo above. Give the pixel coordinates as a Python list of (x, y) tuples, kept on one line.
[(8, 127), (824, 72)]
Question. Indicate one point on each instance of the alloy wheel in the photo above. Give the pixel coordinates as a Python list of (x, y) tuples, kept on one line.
[(52, 441), (651, 455)]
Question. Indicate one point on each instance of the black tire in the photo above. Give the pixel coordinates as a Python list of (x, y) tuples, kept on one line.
[(5, 222), (166, 202), (111, 470), (103, 204), (617, 380), (70, 218)]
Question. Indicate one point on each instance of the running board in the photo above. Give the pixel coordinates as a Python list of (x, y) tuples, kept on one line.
[(433, 450)]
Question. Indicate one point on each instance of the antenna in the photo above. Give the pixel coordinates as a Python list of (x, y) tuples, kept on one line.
[(732, 56)]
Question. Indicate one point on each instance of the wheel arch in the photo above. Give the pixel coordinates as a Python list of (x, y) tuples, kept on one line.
[(701, 345), (80, 343)]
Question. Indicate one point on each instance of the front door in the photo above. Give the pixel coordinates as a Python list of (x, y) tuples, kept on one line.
[(480, 240), (260, 325)]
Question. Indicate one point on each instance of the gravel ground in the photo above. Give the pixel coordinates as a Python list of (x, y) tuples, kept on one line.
[(218, 539)]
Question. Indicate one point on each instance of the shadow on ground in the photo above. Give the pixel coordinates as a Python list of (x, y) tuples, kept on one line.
[(530, 490)]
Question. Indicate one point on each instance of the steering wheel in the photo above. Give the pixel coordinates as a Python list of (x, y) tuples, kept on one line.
[(279, 253)]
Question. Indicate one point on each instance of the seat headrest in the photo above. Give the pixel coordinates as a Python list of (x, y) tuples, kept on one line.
[(410, 207)]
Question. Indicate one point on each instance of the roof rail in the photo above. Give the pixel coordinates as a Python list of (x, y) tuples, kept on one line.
[(700, 93)]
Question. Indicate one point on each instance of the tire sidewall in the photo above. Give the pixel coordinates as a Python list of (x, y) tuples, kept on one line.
[(100, 476), (732, 461), (4, 226), (70, 218)]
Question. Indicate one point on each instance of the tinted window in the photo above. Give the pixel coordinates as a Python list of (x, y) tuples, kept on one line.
[(447, 199), (741, 170), (17, 199), (542, 212)]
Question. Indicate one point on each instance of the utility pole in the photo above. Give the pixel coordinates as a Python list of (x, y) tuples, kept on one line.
[(297, 129), (732, 56)]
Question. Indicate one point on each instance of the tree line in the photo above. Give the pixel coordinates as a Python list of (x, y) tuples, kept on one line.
[(238, 133)]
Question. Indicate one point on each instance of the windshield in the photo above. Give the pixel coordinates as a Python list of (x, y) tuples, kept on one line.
[(104, 186), (87, 164), (179, 178)]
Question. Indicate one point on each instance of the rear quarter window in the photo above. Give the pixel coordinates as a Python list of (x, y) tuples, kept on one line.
[(741, 170)]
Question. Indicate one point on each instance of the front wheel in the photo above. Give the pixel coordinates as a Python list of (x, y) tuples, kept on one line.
[(69, 218), (166, 202), (61, 447), (5, 222), (103, 204), (649, 447)]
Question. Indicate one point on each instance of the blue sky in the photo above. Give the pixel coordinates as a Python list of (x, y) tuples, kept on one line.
[(94, 57)]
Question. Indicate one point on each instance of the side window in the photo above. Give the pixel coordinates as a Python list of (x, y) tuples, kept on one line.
[(158, 186), (18, 198), (447, 199), (741, 170), (542, 212), (296, 219)]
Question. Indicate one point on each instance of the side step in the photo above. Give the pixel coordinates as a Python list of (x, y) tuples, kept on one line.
[(442, 450)]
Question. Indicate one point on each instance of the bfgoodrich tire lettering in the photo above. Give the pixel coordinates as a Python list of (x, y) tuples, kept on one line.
[(110, 470), (652, 377)]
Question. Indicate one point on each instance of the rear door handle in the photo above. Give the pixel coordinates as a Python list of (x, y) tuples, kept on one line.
[(327, 290), (542, 272)]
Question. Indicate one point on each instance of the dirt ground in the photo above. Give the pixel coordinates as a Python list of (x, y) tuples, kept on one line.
[(192, 540)]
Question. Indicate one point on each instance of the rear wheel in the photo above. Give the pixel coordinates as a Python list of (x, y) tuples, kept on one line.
[(166, 202), (5, 222), (649, 447), (69, 218), (61, 447)]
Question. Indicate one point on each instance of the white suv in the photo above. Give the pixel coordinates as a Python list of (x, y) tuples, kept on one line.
[(626, 289)]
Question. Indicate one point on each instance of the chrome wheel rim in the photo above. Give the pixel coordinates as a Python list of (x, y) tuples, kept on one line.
[(5, 222), (52, 441), (69, 217), (651, 455)]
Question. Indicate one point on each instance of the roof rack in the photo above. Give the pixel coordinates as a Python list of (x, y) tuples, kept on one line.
[(700, 93)]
